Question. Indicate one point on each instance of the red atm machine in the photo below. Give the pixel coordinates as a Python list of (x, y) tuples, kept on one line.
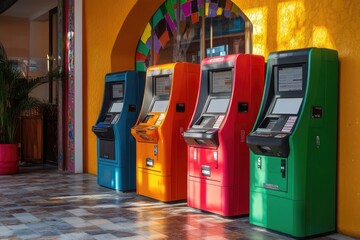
[(218, 158)]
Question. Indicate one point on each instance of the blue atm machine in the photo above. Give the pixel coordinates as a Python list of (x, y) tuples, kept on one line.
[(116, 151)]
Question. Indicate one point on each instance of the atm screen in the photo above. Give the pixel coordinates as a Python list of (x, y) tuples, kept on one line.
[(290, 78), (218, 105), (162, 85), (221, 81), (287, 106), (116, 107), (160, 106), (117, 90)]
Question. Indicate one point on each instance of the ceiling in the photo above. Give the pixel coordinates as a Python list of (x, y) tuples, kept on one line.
[(34, 10)]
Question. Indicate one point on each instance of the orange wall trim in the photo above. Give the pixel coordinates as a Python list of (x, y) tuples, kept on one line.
[(113, 28)]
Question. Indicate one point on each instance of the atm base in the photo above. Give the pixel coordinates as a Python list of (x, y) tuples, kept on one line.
[(286, 216), (116, 178), (210, 196), (154, 185)]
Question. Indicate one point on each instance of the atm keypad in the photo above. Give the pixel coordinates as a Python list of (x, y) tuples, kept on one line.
[(289, 124), (219, 121), (160, 119), (115, 119)]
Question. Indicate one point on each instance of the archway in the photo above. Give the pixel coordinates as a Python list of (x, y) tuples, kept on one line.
[(131, 30), (134, 26)]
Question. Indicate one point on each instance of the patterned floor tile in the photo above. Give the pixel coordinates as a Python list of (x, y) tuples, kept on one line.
[(43, 203)]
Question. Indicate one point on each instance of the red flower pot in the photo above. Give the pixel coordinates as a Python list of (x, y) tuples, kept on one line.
[(9, 159)]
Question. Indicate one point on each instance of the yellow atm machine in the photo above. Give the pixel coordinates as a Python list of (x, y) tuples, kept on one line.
[(161, 152)]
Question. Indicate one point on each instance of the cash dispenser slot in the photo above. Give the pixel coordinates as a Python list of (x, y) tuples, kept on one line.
[(104, 131), (202, 133), (272, 144), (205, 122), (272, 136), (203, 138), (269, 123)]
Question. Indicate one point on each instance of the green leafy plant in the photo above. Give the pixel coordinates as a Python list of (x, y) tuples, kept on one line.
[(14, 99)]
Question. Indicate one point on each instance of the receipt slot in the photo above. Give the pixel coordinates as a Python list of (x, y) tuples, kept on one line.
[(218, 157), (161, 152), (115, 146), (293, 144)]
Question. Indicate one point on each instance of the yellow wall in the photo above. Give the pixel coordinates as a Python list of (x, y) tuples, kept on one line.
[(102, 21), (112, 29)]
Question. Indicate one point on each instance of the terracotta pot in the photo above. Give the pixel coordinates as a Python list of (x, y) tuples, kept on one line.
[(9, 160)]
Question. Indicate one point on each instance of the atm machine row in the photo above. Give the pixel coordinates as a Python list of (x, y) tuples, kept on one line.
[(184, 131)]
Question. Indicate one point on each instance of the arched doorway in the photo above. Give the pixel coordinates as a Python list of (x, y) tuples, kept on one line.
[(179, 21), (192, 30)]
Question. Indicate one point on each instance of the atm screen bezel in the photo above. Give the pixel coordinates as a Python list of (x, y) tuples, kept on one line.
[(154, 81), (294, 93), (112, 90), (211, 82), (155, 97)]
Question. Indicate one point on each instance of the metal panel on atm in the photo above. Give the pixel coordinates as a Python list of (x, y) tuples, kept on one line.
[(227, 106), (293, 144), (122, 99)]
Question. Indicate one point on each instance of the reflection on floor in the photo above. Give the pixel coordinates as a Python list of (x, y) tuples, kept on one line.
[(43, 203)]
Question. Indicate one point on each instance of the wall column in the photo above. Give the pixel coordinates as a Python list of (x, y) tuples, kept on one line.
[(70, 126)]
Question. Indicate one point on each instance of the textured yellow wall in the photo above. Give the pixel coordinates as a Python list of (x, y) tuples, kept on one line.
[(102, 21), (110, 36)]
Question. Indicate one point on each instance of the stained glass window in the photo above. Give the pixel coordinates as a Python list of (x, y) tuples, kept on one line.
[(178, 32)]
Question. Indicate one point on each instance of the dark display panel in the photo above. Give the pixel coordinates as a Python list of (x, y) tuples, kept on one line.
[(221, 81), (162, 85), (290, 78), (117, 90)]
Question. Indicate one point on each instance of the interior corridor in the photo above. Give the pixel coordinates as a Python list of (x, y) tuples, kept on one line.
[(44, 203)]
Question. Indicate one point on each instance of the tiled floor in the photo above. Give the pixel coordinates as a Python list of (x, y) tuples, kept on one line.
[(43, 203)]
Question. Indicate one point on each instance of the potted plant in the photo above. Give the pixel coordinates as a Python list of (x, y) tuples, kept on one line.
[(14, 99)]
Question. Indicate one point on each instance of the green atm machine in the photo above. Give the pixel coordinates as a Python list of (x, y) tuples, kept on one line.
[(293, 144)]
